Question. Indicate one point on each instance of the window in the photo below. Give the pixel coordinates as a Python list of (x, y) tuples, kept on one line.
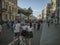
[(9, 8), (9, 0), (3, 4), (12, 10), (6, 5), (0, 4), (58, 3), (58, 12), (6, 16)]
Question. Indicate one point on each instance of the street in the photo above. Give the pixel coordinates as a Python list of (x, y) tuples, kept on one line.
[(37, 36), (18, 17), (50, 35), (7, 37), (45, 36)]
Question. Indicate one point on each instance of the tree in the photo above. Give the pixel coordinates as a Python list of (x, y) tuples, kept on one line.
[(20, 10), (29, 12), (26, 12)]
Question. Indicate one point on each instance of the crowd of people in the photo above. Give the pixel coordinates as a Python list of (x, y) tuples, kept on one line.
[(23, 30)]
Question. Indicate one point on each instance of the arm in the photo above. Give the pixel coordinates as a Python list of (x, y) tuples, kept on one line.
[(32, 29), (20, 29)]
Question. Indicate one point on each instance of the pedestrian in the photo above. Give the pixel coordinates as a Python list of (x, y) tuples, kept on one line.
[(34, 25), (38, 26), (16, 27), (30, 33), (23, 33), (48, 22), (8, 26), (0, 29)]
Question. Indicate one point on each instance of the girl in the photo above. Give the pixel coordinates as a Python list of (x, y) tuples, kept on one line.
[(23, 33), (30, 33)]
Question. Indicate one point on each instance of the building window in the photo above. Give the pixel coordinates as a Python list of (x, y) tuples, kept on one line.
[(3, 4), (12, 9), (9, 12), (9, 9), (58, 11), (6, 17), (0, 5), (14, 1), (9, 0), (58, 3), (6, 5)]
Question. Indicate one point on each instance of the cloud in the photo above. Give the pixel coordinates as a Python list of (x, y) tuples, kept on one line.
[(36, 13), (36, 10)]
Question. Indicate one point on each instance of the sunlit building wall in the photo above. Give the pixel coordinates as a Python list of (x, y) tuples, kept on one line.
[(56, 9), (48, 12), (8, 10), (44, 14)]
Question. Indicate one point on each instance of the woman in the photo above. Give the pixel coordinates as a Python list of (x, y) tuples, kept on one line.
[(23, 32), (30, 33), (16, 27)]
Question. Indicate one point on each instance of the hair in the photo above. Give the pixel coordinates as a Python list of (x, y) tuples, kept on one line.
[(30, 24), (18, 21)]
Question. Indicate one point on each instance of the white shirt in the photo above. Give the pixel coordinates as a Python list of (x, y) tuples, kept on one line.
[(24, 27), (30, 28), (17, 27)]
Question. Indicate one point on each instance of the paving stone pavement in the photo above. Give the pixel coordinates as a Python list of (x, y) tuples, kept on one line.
[(50, 35), (7, 37)]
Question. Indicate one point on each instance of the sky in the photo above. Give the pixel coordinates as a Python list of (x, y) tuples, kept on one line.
[(36, 5)]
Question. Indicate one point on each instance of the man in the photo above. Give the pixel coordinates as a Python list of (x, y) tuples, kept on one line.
[(34, 25), (48, 23), (38, 26), (16, 27)]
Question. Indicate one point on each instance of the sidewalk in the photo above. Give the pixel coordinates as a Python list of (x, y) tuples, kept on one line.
[(36, 38), (50, 35), (6, 36)]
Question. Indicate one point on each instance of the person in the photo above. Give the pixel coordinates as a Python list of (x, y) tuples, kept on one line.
[(16, 27), (38, 26), (8, 26), (30, 33), (23, 32), (34, 25), (48, 22), (0, 29)]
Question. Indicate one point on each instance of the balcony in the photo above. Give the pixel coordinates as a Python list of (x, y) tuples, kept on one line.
[(3, 9)]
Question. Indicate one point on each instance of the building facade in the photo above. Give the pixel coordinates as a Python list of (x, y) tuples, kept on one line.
[(8, 10), (44, 14), (48, 11), (56, 9)]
